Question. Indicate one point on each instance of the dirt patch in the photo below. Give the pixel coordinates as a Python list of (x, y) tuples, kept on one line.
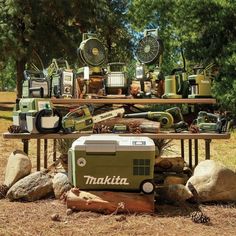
[(34, 218), (17, 218)]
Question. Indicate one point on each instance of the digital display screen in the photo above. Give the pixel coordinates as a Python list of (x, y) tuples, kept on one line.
[(67, 78), (139, 143)]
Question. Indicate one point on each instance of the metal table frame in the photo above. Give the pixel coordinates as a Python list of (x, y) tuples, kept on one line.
[(192, 138)]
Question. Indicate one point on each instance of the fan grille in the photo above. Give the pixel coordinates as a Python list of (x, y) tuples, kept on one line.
[(149, 49), (92, 52)]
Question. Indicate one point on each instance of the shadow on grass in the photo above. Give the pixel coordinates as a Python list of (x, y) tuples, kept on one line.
[(6, 118), (6, 108)]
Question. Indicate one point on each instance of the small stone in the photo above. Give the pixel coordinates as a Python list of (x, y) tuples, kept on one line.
[(3, 190), (55, 217), (69, 211), (120, 218)]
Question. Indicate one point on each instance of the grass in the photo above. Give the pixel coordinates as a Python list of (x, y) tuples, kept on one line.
[(7, 96), (34, 218), (5, 109)]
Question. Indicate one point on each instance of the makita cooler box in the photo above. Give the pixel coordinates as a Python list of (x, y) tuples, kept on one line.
[(112, 162)]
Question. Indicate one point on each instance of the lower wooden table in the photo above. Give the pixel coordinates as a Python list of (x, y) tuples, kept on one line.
[(190, 137)]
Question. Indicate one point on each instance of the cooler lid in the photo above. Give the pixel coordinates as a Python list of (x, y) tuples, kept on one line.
[(113, 143)]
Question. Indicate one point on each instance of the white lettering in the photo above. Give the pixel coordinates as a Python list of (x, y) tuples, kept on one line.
[(205, 81), (90, 179), (114, 180), (123, 181), (107, 180)]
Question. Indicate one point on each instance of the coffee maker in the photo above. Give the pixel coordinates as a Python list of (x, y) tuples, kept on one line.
[(201, 82)]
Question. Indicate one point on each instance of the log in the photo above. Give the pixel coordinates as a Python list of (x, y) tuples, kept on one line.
[(134, 125), (169, 164), (109, 202)]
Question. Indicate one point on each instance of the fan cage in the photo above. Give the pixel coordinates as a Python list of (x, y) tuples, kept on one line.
[(149, 49), (92, 52)]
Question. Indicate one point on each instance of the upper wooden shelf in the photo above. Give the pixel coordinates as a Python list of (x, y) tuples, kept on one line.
[(135, 101)]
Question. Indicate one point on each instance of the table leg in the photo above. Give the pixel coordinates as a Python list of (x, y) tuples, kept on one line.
[(54, 150), (38, 154), (190, 153), (25, 146), (45, 153), (195, 152), (182, 148), (207, 148)]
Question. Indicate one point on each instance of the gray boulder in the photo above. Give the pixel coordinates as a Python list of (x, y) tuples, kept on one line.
[(213, 182), (60, 184), (32, 187), (18, 166)]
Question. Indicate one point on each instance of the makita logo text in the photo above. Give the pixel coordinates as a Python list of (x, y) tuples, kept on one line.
[(114, 180), (205, 81), (106, 115)]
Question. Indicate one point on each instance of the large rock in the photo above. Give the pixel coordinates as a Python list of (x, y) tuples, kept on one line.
[(60, 184), (18, 166), (174, 193), (32, 187), (213, 182)]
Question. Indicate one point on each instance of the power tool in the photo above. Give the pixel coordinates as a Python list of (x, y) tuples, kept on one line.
[(201, 82), (36, 85), (149, 54), (116, 80), (81, 119), (179, 123), (91, 78), (208, 122), (176, 84), (36, 115), (62, 78), (165, 118)]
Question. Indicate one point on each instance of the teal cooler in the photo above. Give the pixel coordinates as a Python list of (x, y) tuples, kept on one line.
[(112, 162)]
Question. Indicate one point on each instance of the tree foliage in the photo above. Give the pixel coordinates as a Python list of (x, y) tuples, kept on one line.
[(53, 28), (205, 29)]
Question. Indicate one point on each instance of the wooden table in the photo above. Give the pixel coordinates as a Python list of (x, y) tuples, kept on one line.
[(75, 101), (128, 101), (192, 138)]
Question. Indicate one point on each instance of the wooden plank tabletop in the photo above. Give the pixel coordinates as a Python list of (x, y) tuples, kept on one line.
[(161, 135), (135, 101)]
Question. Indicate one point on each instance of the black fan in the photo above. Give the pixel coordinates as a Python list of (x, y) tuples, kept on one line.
[(92, 52), (149, 49)]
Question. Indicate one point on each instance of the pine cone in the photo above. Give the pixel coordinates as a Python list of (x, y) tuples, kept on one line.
[(194, 129), (134, 128), (14, 129), (199, 217), (3, 190), (101, 129)]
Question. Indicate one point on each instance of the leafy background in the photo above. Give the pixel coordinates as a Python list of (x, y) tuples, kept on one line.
[(204, 29)]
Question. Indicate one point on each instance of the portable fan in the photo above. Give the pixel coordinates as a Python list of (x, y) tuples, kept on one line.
[(149, 49), (91, 51)]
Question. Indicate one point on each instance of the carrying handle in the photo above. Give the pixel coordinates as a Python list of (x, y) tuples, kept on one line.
[(40, 89)]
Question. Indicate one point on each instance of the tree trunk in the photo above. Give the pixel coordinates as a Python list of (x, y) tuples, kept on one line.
[(110, 202), (20, 67)]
